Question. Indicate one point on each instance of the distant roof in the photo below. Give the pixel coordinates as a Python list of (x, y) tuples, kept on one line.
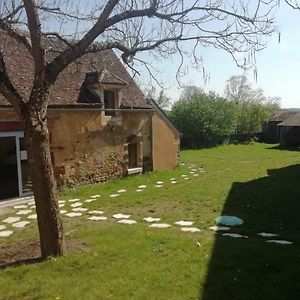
[(292, 121), (66, 89), (280, 116)]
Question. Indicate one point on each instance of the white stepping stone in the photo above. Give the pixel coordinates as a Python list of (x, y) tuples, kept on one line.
[(32, 207), (267, 234), (74, 200), (121, 216), (121, 191), (63, 212), (11, 220), (235, 235), (96, 212), (32, 217), (173, 181), (281, 242), (190, 229), (129, 222), (219, 228), (183, 175), (61, 205), (139, 190), (151, 220), (20, 224), (158, 186), (2, 227), (21, 206), (31, 203), (79, 209), (114, 195), (24, 212), (74, 214), (192, 172), (201, 171), (6, 233), (159, 182), (142, 186), (97, 218), (95, 196), (184, 223), (186, 178), (61, 201), (76, 204), (90, 200), (196, 175), (159, 225)]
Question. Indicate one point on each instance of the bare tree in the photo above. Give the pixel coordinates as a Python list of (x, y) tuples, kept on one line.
[(163, 27)]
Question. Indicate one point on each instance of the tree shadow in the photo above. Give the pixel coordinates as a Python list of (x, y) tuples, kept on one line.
[(251, 268), (285, 148), (17, 263)]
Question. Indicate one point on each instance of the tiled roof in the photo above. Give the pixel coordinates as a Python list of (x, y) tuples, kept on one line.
[(66, 90), (279, 116), (294, 120)]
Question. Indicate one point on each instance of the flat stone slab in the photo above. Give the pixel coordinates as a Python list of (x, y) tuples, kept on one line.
[(11, 220), (114, 195), (6, 233), (219, 228), (74, 214), (235, 235), (190, 229), (31, 203), (121, 216), (74, 200), (184, 223), (173, 181), (151, 220), (61, 205), (96, 212), (159, 225), (21, 206), (159, 182), (97, 218), (20, 224), (32, 217), (139, 190), (125, 221), (76, 204), (158, 186), (229, 220), (195, 174), (121, 191), (95, 196), (281, 242), (61, 201), (89, 200), (80, 209), (2, 227), (186, 178), (192, 172), (267, 234), (183, 175), (142, 186), (63, 211)]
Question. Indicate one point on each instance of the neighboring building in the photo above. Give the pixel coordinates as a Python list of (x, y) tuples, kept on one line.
[(101, 125), (271, 130), (289, 131)]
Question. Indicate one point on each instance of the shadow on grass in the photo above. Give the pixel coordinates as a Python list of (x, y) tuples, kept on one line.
[(252, 268), (28, 261), (279, 147)]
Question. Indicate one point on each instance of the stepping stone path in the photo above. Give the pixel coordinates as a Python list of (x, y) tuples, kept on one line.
[(76, 204), (96, 212), (121, 216), (97, 218), (151, 220), (195, 174), (32, 217), (2, 227), (20, 224), (74, 200), (190, 229), (11, 220), (158, 186), (20, 206), (183, 175), (219, 228), (184, 223), (31, 203), (235, 235), (173, 181), (63, 211), (114, 195), (61, 205), (74, 214), (121, 191), (61, 201), (125, 221), (90, 200), (80, 209), (159, 182), (186, 178), (159, 225), (142, 186), (139, 190), (95, 196), (266, 234), (6, 233), (282, 242)]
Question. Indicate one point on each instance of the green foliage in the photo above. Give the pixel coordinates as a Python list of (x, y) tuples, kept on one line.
[(203, 118)]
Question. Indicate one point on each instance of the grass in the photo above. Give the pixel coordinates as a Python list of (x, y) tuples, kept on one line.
[(255, 182)]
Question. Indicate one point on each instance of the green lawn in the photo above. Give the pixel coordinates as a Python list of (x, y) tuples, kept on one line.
[(256, 182)]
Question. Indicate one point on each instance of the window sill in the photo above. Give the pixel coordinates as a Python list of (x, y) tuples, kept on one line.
[(134, 170)]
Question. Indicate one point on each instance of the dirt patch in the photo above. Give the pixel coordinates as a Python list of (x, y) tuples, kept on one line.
[(29, 252)]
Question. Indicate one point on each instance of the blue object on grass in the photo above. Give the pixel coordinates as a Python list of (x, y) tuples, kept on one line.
[(229, 220)]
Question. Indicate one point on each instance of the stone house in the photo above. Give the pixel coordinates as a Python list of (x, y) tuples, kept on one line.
[(289, 131), (101, 125)]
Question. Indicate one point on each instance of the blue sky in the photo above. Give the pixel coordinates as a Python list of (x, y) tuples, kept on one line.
[(278, 65)]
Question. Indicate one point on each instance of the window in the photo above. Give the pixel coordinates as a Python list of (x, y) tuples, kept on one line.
[(110, 102)]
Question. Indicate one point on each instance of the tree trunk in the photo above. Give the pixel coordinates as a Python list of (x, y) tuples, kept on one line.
[(44, 187)]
